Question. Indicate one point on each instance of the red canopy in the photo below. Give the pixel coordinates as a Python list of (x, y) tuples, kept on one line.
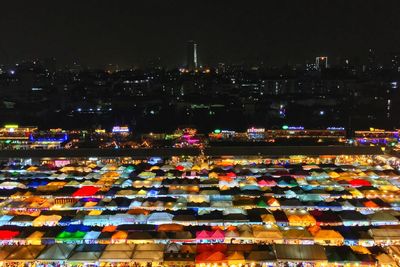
[(180, 168), (6, 234), (203, 256), (231, 174), (85, 191), (359, 182), (212, 248), (209, 256)]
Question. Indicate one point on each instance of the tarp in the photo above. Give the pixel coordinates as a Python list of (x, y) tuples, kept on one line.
[(173, 227), (160, 218), (173, 248), (56, 252), (232, 233), (296, 234), (148, 256), (267, 234), (117, 252), (25, 253), (300, 253), (261, 256), (87, 253), (5, 251), (385, 260), (150, 247), (328, 236), (382, 218), (92, 235)]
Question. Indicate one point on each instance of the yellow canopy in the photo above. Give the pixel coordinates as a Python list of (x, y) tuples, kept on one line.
[(360, 249), (236, 258), (328, 235), (46, 220), (35, 238)]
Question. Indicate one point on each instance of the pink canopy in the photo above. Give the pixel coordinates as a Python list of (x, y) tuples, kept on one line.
[(217, 234), (203, 234)]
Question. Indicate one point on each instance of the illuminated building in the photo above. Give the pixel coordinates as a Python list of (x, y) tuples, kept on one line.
[(191, 55), (321, 63), (287, 133), (395, 61), (256, 133), (14, 136), (120, 129), (48, 140), (28, 137), (377, 137)]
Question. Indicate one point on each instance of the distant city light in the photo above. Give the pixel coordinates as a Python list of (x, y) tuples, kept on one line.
[(120, 129), (335, 128), (286, 127), (255, 130), (12, 126)]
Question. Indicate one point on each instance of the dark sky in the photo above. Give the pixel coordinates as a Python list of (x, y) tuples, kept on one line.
[(132, 32)]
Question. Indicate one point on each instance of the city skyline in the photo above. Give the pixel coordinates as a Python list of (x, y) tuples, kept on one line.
[(192, 61), (133, 34)]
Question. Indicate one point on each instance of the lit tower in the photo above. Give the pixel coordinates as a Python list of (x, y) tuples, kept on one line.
[(321, 63), (191, 56)]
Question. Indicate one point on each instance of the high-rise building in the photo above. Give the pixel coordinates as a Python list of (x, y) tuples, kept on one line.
[(395, 60), (321, 63), (371, 64), (191, 56), (50, 64)]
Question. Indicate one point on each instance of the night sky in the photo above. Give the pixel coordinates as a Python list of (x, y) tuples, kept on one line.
[(133, 32)]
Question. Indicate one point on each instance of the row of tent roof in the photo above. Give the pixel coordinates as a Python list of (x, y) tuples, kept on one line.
[(82, 190), (128, 233), (257, 183), (217, 174), (228, 216), (213, 165), (215, 254), (34, 206), (145, 171)]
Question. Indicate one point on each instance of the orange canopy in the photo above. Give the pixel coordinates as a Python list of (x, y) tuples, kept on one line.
[(173, 227), (138, 211), (109, 228)]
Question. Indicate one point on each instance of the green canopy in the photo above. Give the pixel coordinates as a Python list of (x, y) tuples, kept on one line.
[(71, 235)]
